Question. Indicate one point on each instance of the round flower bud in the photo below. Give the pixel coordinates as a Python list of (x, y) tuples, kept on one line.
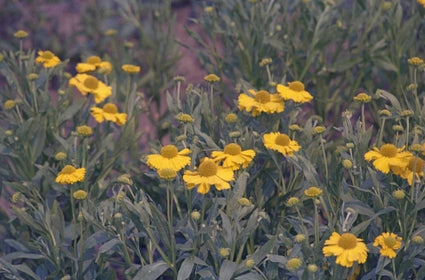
[(299, 238), (249, 263), (399, 194), (384, 113), (15, 197), (234, 134), (348, 164), (20, 34), (319, 130), (243, 201), (417, 239), (118, 216), (60, 156), (32, 76), (224, 252), (8, 132), (295, 127), (293, 264), (195, 215), (231, 118), (312, 268), (9, 105), (125, 179)]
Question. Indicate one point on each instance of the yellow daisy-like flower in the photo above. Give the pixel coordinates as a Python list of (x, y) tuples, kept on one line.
[(313, 192), (70, 175), (212, 78), (261, 101), (281, 142), (362, 97), (20, 34), (416, 61), (233, 157), (208, 174), (389, 242), (388, 157), (347, 248), (130, 68), (170, 158), (105, 67), (9, 105), (80, 194), (415, 167), (295, 91), (90, 84), (48, 59), (294, 264), (109, 112), (421, 2), (84, 130), (91, 64)]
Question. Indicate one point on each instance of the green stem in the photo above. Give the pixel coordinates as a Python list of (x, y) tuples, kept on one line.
[(322, 145)]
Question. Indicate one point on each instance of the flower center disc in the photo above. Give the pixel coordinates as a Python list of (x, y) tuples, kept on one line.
[(282, 140), (110, 108), (208, 168), (390, 241), (232, 149), (262, 96), (91, 83), (68, 169), (169, 151), (347, 241), (388, 150), (296, 86), (47, 55), (94, 60)]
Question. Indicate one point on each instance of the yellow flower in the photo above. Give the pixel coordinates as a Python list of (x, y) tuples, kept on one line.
[(281, 142), (84, 130), (185, 118), (292, 201), (299, 238), (417, 239), (60, 156), (233, 156), (421, 2), (415, 166), (32, 76), (20, 34), (109, 112), (195, 215), (9, 105), (319, 130), (90, 84), (105, 67), (313, 192), (80, 195), (261, 101), (208, 173), (388, 157), (130, 68), (91, 64), (243, 201), (347, 163), (265, 61), (249, 263), (312, 268), (295, 91), (70, 175), (362, 97), (388, 243), (212, 78), (295, 127), (48, 59), (347, 248), (224, 252), (167, 173), (170, 158), (416, 61), (110, 32), (293, 264)]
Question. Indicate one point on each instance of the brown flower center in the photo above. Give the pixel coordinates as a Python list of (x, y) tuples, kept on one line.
[(388, 150), (347, 241), (110, 108), (390, 241), (169, 151), (282, 140), (296, 86), (232, 149), (208, 168), (416, 164), (94, 60), (91, 82), (68, 169), (262, 96), (47, 55)]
